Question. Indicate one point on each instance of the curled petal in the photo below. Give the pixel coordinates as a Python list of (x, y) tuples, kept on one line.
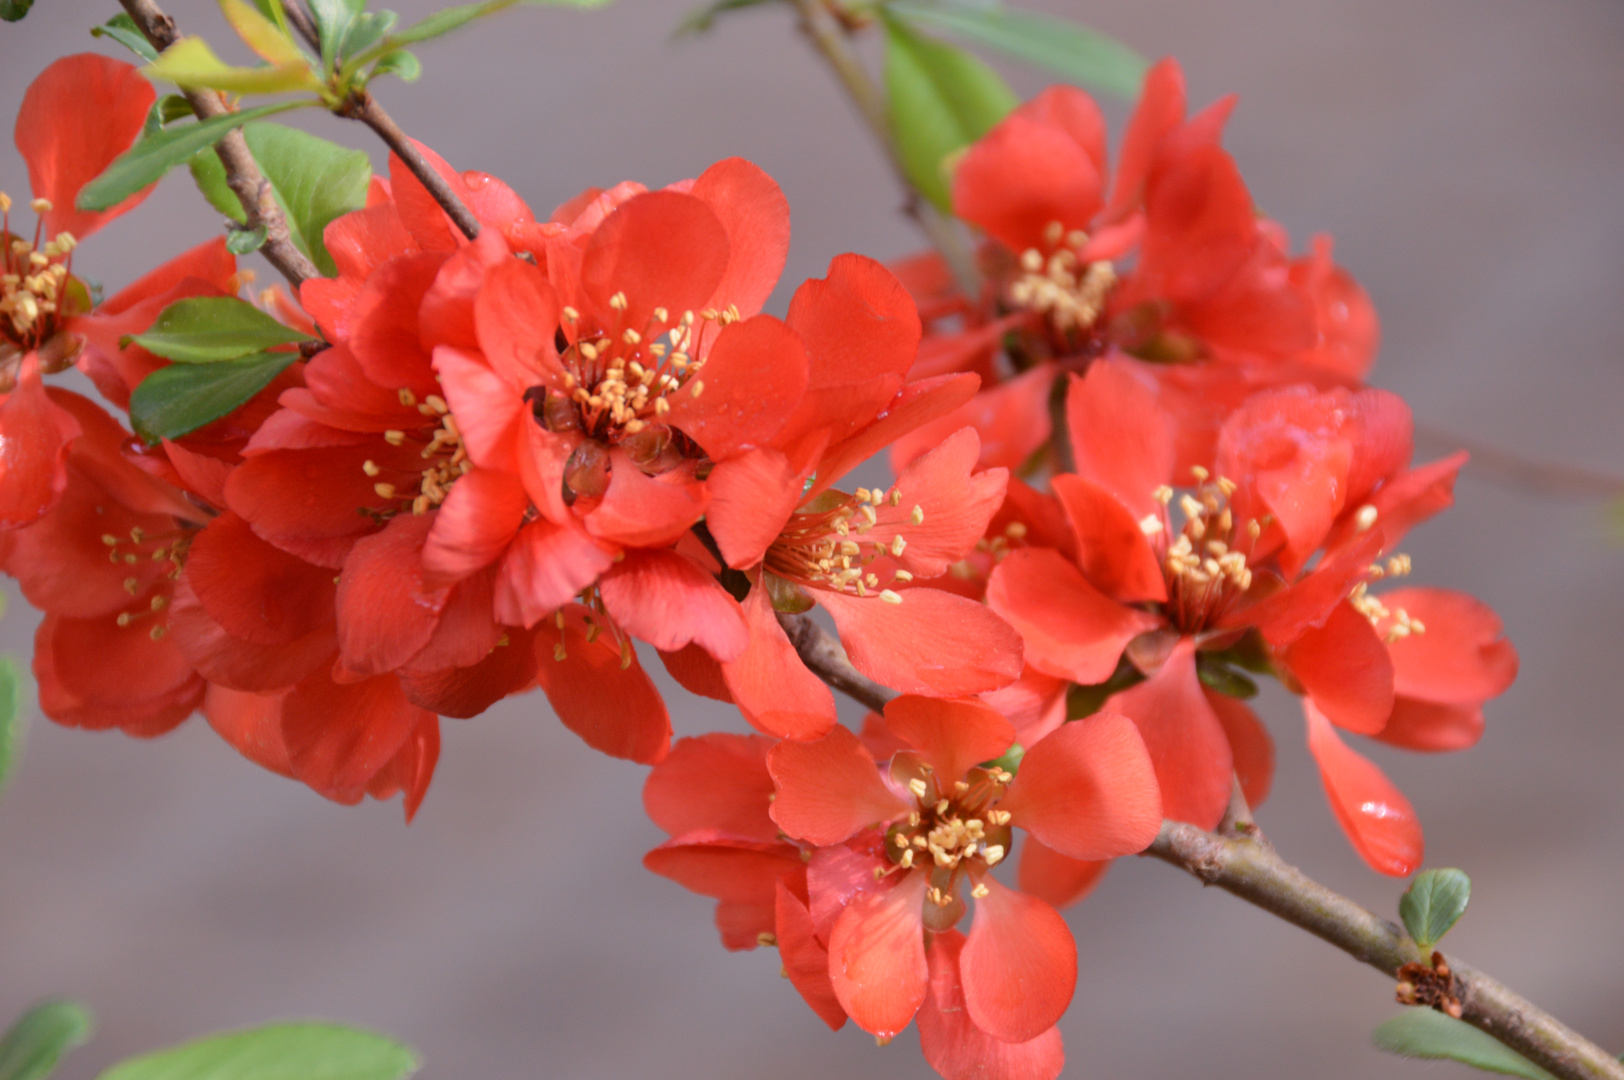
[(730, 868), (1113, 551), (772, 687), (1019, 965), (257, 592), (1070, 628), (664, 599), (1431, 727), (35, 434), (806, 961), (339, 736), (1345, 669), (545, 566), (386, 614), (1375, 815)]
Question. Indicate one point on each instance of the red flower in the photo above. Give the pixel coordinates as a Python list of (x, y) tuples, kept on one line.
[(1299, 473), (929, 828)]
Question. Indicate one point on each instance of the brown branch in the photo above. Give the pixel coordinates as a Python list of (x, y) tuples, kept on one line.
[(363, 107), (242, 171), (1248, 867), (830, 38), (1243, 863), (1510, 469)]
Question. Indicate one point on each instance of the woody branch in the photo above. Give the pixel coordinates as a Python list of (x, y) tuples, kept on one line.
[(242, 172), (1246, 865)]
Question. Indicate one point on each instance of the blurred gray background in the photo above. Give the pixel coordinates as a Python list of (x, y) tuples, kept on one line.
[(1467, 156)]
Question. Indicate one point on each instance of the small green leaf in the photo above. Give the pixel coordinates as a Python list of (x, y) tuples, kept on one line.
[(13, 723), (245, 241), (122, 29), (31, 1049), (401, 63), (333, 19), (298, 1051), (190, 63), (702, 19), (367, 29), (942, 100), (314, 180), (13, 10), (1079, 54), (1432, 904), (209, 174), (1009, 760), (1216, 675), (1426, 1033), (155, 153), (178, 399), (207, 329)]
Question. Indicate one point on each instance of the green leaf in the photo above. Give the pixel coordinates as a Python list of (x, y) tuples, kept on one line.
[(179, 399), (942, 100), (1432, 904), (30, 1050), (314, 180), (190, 63), (299, 1051), (367, 29), (207, 329), (13, 10), (122, 29), (333, 19), (245, 241), (1219, 676), (209, 174), (702, 19), (155, 153), (401, 63), (1079, 54), (13, 720), (1426, 1033)]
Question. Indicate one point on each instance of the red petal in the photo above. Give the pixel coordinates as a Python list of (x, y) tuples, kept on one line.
[(1378, 819), (664, 599), (1019, 965), (1070, 628), (772, 687), (35, 434), (489, 409), (384, 336), (95, 674), (242, 665), (755, 214), (806, 963), (829, 790), (915, 404), (1430, 727), (742, 925), (545, 566), (1113, 551), (661, 249), (716, 781), (611, 705), (729, 868), (954, 501), (1160, 109), (1250, 744), (959, 1050), (1088, 790), (465, 692), (1121, 438), (340, 736), (751, 498), (1460, 659), (76, 117), (516, 314), (1200, 225), (385, 612), (752, 378), (255, 591), (1056, 878), (1285, 616), (1012, 419), (933, 643), (954, 736), (877, 956), (1187, 745), (641, 511), (836, 875), (1346, 671), (252, 723), (697, 672), (1023, 175), (474, 526), (296, 498)]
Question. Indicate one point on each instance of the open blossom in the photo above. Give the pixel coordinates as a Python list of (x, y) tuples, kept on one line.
[(1153, 610), (894, 855)]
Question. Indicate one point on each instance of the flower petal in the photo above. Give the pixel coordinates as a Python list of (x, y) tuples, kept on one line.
[(1121, 437), (1430, 727), (755, 214), (1056, 878), (1112, 550), (731, 868), (255, 591), (752, 379), (751, 498), (474, 526), (544, 567), (769, 683), (341, 735), (1070, 628), (933, 643), (386, 614), (877, 956), (1346, 671), (959, 1050), (661, 249), (1019, 965), (954, 736), (806, 962), (1461, 658), (664, 599), (599, 690), (35, 434), (716, 781), (1250, 744), (829, 790), (1088, 790), (1375, 815)]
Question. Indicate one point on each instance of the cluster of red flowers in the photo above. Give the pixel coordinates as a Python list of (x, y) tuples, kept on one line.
[(504, 461)]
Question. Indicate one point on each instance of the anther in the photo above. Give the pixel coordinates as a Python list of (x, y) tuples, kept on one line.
[(890, 597), (917, 786)]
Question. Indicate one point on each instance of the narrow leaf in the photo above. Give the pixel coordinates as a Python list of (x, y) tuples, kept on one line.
[(245, 241), (299, 1051), (207, 329), (314, 180), (402, 64), (209, 174), (122, 29), (1432, 904), (268, 40), (333, 18), (366, 30), (1079, 54), (178, 399), (155, 153), (1426, 1033), (13, 726), (31, 1049), (190, 62), (942, 99)]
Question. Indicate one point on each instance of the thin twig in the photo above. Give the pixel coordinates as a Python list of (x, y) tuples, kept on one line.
[(1245, 864), (242, 171), (1510, 469), (829, 37), (365, 108)]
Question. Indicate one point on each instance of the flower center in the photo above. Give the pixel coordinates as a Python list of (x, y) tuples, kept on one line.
[(1060, 285), (150, 583), (826, 544), (444, 458), (950, 831), (1204, 563), (1391, 623), (34, 282)]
